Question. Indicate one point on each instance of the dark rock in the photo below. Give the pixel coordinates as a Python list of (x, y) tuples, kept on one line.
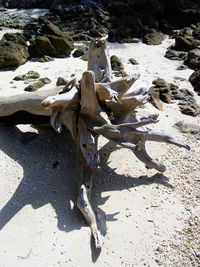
[(51, 45), (80, 51), (175, 55), (85, 57), (188, 110), (17, 38), (193, 59), (195, 80), (176, 93), (29, 75), (12, 54), (40, 46), (187, 103), (120, 73), (181, 67), (153, 38), (116, 63), (165, 93), (62, 45), (154, 99), (50, 28), (196, 33), (186, 43), (27, 3), (45, 59), (61, 81), (36, 85), (133, 61)]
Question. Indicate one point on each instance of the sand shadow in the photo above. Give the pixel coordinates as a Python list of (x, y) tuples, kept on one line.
[(49, 165)]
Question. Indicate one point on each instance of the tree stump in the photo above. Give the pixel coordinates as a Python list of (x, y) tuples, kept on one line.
[(97, 105)]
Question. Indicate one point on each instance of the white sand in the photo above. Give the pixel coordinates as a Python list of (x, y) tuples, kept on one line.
[(40, 227)]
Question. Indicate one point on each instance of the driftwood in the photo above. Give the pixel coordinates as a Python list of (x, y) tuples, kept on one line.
[(97, 105)]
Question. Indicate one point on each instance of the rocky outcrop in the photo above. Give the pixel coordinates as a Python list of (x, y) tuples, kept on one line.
[(187, 47), (12, 54), (175, 55), (187, 103), (153, 38), (37, 85), (193, 59), (160, 91), (53, 42), (13, 50), (50, 45), (185, 43), (29, 75)]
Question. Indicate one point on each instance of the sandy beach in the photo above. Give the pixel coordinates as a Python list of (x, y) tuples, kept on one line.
[(148, 218)]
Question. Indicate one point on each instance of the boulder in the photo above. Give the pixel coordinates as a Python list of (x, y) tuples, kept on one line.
[(165, 93), (153, 38), (175, 55), (186, 43), (38, 84), (195, 80), (116, 63), (29, 75), (17, 38), (80, 51), (51, 45), (40, 46), (187, 103), (12, 54), (193, 59)]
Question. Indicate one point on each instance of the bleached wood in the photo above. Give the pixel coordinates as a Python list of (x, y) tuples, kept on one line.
[(99, 61)]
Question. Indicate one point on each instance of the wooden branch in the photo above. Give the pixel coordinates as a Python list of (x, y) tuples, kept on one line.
[(134, 135), (87, 144), (60, 101), (90, 110), (69, 120), (86, 209), (105, 91), (99, 61), (141, 154), (85, 174), (29, 101), (163, 137), (89, 103)]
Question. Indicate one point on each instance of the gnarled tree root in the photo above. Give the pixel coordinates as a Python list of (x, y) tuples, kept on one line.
[(84, 205)]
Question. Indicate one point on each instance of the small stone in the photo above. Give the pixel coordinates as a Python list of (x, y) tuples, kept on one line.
[(133, 61), (61, 81)]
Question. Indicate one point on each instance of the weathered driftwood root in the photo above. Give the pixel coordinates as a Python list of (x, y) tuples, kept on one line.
[(86, 209), (97, 105), (85, 175)]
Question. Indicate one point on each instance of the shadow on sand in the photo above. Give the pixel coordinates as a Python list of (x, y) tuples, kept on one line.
[(49, 166)]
